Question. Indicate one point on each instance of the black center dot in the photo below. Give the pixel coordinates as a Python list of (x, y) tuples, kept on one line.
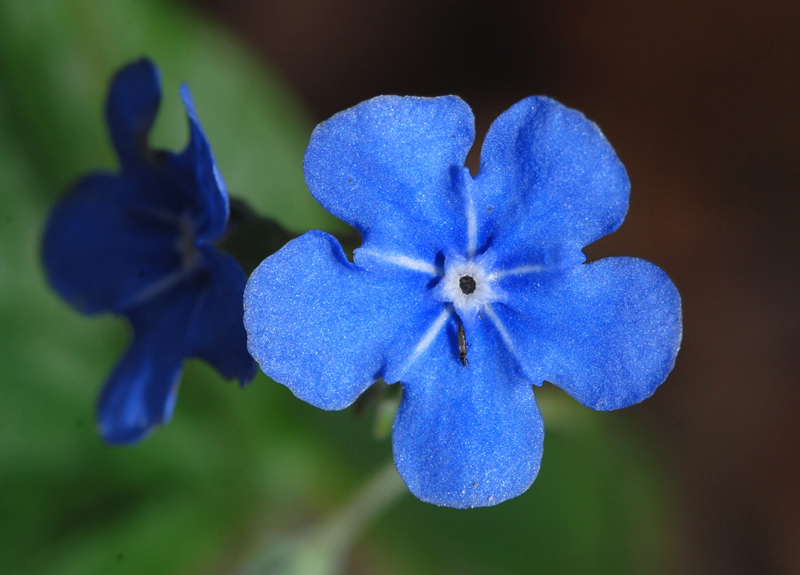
[(467, 284)]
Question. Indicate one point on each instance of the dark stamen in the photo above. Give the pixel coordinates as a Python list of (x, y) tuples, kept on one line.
[(462, 346), (467, 284)]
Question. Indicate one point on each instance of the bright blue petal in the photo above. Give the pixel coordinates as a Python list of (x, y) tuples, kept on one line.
[(606, 332), (216, 332), (198, 168), (131, 109), (103, 251), (390, 168), (141, 392), (326, 328), (467, 436), (549, 184)]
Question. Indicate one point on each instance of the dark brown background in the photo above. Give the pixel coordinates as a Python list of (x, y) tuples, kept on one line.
[(700, 100)]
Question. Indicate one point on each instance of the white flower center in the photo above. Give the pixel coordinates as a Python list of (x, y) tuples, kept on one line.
[(469, 285)]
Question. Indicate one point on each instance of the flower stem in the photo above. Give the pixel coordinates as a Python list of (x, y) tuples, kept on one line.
[(323, 549)]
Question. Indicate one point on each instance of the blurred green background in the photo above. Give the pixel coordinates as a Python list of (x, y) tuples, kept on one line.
[(236, 468)]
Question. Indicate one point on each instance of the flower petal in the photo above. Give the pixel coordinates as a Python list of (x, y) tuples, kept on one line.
[(390, 167), (326, 328), (549, 184), (131, 109), (141, 391), (216, 331), (607, 332), (208, 194), (467, 436), (102, 251)]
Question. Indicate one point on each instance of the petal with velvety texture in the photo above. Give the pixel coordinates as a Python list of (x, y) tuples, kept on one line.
[(549, 184), (467, 436), (606, 332), (327, 328), (390, 167), (103, 252)]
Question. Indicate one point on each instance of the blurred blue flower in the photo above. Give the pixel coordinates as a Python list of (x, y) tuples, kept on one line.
[(466, 290), (139, 243)]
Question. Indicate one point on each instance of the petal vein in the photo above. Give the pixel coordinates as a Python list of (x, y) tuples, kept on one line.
[(404, 262), (428, 338)]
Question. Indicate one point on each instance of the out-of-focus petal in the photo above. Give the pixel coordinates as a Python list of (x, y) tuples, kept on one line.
[(467, 436), (198, 167), (104, 253), (606, 332), (131, 109), (216, 332), (140, 394), (326, 328), (390, 167), (549, 184)]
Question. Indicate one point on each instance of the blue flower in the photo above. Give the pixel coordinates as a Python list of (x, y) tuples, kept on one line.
[(465, 290), (139, 243)]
